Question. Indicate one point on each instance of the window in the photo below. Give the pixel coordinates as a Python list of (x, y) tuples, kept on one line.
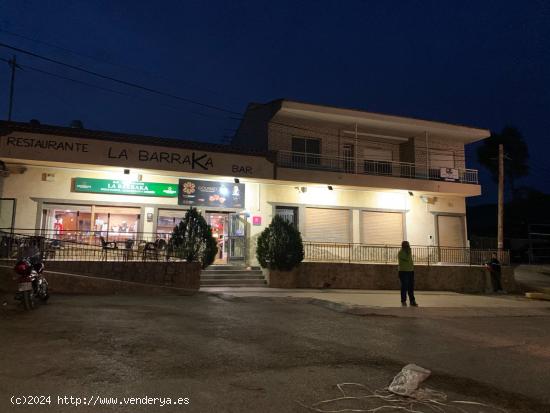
[(83, 223), (306, 151), (289, 214), (168, 219)]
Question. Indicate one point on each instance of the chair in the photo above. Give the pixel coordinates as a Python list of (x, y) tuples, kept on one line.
[(106, 246), (128, 246)]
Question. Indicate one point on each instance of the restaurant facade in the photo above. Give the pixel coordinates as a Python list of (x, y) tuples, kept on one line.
[(341, 176)]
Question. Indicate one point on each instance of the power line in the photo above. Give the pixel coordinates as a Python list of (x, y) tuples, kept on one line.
[(88, 56), (102, 88), (123, 82)]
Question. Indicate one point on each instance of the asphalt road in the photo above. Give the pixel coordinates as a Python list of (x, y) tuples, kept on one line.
[(259, 355)]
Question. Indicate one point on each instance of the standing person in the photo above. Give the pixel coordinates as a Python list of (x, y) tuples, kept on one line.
[(406, 274), (495, 269)]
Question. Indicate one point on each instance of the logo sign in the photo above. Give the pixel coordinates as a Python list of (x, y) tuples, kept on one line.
[(449, 174), (209, 193), (121, 187)]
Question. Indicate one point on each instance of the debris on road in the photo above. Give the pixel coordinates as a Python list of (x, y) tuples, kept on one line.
[(408, 380), (402, 395)]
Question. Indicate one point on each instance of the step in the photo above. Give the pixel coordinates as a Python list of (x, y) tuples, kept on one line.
[(232, 282), (234, 286), (230, 267), (231, 272), (232, 277)]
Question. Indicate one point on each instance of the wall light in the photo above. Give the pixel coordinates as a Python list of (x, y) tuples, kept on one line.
[(330, 188), (126, 172), (237, 180), (411, 194)]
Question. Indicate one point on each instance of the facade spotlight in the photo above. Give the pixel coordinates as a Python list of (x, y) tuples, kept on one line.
[(411, 194), (237, 180), (330, 188)]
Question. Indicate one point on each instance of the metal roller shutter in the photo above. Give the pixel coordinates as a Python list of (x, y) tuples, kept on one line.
[(326, 224), (381, 228), (450, 231)]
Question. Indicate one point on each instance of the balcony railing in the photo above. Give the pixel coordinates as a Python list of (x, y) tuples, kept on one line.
[(298, 160), (387, 254)]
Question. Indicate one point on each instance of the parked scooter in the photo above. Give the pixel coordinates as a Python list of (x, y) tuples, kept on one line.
[(31, 284)]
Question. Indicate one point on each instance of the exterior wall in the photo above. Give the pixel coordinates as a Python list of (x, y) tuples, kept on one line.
[(420, 216), (332, 138), (462, 279), (29, 185), (452, 150), (261, 199)]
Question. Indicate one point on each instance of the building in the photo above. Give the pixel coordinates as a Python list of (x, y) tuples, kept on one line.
[(344, 177)]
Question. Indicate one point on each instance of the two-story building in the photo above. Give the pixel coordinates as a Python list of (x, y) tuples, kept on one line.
[(342, 176), (361, 177)]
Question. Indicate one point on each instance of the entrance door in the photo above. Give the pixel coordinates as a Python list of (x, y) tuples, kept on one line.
[(348, 153), (219, 223), (237, 237)]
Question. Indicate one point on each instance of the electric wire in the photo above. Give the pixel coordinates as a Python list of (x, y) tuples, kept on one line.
[(104, 61), (117, 80)]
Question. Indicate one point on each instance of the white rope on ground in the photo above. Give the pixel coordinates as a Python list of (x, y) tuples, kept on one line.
[(424, 399)]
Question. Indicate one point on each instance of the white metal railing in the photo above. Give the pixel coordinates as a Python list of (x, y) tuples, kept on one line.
[(387, 254), (299, 160)]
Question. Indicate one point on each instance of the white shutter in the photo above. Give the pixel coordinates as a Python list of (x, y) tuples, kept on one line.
[(376, 154), (381, 228), (326, 224), (450, 230)]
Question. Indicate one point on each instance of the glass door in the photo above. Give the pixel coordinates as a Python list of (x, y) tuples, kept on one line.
[(237, 237), (218, 221), (348, 153), (66, 222)]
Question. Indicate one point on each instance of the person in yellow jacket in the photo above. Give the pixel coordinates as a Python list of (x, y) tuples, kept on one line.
[(406, 274)]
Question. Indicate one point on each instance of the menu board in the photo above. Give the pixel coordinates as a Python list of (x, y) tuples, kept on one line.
[(211, 193)]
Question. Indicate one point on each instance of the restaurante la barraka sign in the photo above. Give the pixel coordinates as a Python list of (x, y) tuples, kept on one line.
[(121, 187), (209, 193)]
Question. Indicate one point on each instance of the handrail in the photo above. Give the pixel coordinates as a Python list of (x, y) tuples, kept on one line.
[(365, 166), (387, 254)]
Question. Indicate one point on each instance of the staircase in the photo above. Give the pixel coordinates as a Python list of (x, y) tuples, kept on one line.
[(232, 276)]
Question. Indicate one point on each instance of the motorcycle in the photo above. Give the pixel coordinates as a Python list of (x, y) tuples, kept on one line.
[(31, 283)]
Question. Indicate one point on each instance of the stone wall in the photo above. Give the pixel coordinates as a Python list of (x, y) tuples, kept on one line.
[(462, 279), (104, 277)]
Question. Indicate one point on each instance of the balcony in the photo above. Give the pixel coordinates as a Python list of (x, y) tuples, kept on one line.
[(348, 165)]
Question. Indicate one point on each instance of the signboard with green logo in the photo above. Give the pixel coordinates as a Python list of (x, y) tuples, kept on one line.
[(121, 187)]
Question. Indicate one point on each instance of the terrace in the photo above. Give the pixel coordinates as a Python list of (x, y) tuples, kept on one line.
[(361, 166)]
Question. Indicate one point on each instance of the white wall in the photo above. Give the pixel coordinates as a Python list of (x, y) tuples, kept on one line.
[(260, 201)]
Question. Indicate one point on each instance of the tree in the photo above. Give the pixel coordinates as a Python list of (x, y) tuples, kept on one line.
[(516, 155), (280, 246), (192, 239)]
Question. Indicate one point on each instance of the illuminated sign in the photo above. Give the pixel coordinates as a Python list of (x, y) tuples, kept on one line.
[(121, 187), (213, 194)]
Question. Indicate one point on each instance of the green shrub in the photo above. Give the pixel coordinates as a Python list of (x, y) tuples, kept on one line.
[(192, 239), (280, 246)]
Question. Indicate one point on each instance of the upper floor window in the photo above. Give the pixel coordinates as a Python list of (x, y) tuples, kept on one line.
[(306, 151)]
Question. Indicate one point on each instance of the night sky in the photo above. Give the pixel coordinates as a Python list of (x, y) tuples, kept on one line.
[(479, 63)]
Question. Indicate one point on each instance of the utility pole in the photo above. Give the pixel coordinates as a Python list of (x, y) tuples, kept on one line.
[(13, 65), (500, 234)]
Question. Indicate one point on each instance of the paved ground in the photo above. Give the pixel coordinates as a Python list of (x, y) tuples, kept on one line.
[(248, 354), (533, 277)]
